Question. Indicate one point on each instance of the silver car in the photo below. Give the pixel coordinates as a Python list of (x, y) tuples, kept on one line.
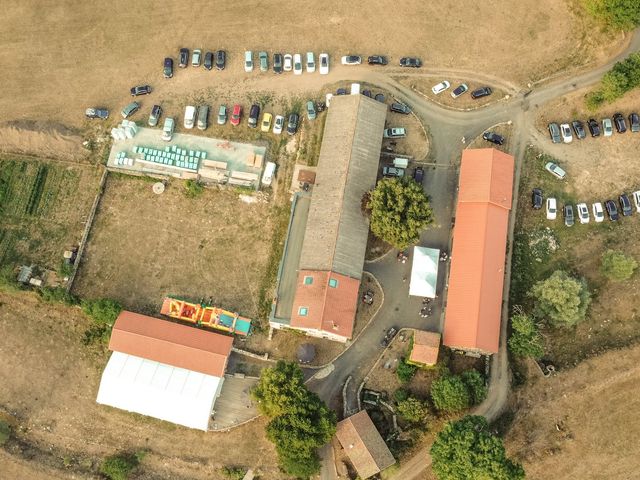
[(154, 116), (222, 115)]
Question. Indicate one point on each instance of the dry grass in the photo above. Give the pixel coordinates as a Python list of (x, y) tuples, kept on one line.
[(503, 129)]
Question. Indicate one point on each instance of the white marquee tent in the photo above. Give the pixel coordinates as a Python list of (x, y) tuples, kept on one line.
[(424, 272)]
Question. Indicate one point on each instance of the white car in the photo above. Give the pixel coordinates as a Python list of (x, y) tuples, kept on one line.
[(189, 116), (552, 210), (327, 99), (311, 62), (324, 63), (248, 61), (351, 60), (555, 170), (278, 124), (195, 57), (288, 62), (598, 212), (636, 200), (167, 129), (441, 87), (565, 131), (297, 64), (583, 212), (607, 127)]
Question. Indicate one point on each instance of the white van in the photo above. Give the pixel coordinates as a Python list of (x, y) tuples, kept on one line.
[(267, 176), (355, 89), (311, 63), (248, 61), (189, 116), (400, 162)]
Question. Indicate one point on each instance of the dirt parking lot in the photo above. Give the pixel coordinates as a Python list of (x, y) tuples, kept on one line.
[(144, 246)]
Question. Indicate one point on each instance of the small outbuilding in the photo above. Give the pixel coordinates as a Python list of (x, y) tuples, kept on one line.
[(425, 349)]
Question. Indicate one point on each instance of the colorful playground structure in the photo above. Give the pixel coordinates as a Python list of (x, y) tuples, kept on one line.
[(208, 316)]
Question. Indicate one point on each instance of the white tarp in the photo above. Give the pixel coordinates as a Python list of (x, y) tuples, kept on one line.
[(424, 272), (158, 390)]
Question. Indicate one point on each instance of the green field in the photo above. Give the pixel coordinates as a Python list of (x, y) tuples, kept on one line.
[(42, 208)]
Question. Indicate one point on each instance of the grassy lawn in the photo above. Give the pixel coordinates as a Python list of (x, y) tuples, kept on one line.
[(542, 246)]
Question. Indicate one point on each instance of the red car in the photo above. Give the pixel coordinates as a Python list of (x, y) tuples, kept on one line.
[(237, 113)]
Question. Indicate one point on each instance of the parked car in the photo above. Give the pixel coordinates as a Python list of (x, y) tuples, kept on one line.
[(459, 90), (567, 213), (493, 138), (377, 60), (288, 62), (167, 129), (555, 170), (351, 60), (278, 124), (392, 172), (248, 61), (594, 127), (101, 113), (264, 61), (367, 93), (388, 336), (140, 90), (612, 210), (481, 92), (130, 109), (203, 117), (342, 91), (554, 132), (168, 67), (266, 122), (607, 127), (254, 114), (410, 62), (400, 108), (184, 58), (397, 132), (618, 120), (583, 212), (208, 60), (551, 209), (625, 205), (221, 59), (636, 200), (418, 174), (189, 116), (536, 198), (379, 97), (277, 63), (222, 115), (292, 125), (236, 115), (297, 64), (634, 122), (195, 57), (324, 63), (154, 116), (311, 110), (565, 132), (440, 87), (578, 128), (311, 62), (598, 212)]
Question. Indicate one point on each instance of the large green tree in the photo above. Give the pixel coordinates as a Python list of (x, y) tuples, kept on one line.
[(525, 339), (619, 14), (561, 299), (399, 211), (618, 266), (450, 394), (300, 421), (465, 449), (623, 77)]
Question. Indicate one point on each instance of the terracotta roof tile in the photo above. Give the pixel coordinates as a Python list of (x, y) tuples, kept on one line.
[(426, 346)]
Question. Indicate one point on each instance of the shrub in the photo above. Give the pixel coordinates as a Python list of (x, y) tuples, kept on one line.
[(617, 266), (102, 310), (525, 340), (120, 466), (475, 384), (405, 371), (233, 473), (413, 410), (562, 299), (623, 77), (5, 432), (618, 14), (57, 294), (401, 394), (193, 188), (450, 394)]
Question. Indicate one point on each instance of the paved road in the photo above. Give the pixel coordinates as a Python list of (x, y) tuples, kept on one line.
[(446, 128)]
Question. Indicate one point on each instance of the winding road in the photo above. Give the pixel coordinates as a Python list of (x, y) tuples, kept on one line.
[(446, 128)]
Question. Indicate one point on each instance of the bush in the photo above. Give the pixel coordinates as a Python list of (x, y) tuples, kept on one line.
[(102, 310), (450, 394), (475, 384), (561, 299), (5, 432), (617, 266), (623, 77), (401, 394), (98, 333), (405, 371), (193, 188), (618, 14), (525, 340), (120, 466), (413, 410), (57, 294), (233, 473)]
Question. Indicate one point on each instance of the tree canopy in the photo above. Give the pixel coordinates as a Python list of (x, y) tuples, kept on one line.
[(465, 449), (300, 421), (413, 410), (452, 393), (618, 266), (525, 339), (619, 14), (399, 211), (623, 77), (561, 299)]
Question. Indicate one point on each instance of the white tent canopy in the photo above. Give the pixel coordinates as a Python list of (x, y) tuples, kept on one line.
[(424, 272), (158, 390)]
